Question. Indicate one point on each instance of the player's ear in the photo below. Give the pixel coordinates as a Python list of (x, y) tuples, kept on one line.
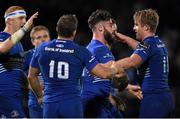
[(33, 43), (100, 27), (9, 21), (74, 33), (147, 27)]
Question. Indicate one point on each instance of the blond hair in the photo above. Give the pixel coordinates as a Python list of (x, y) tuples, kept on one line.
[(12, 9), (147, 17), (37, 28)]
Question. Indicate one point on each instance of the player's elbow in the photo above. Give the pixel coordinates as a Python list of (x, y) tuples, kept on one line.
[(134, 61), (133, 64), (2, 50)]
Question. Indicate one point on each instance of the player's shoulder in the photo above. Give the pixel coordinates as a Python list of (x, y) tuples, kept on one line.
[(28, 54), (31, 51), (44, 44), (4, 36), (144, 45), (151, 40), (96, 46), (80, 48)]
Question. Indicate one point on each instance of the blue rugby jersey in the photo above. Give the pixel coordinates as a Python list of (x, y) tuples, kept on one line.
[(11, 68), (93, 85), (61, 63), (155, 68), (28, 56), (27, 60)]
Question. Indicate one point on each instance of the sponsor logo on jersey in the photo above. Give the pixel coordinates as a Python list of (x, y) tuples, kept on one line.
[(60, 45)]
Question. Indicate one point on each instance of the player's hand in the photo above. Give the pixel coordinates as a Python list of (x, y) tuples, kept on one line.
[(29, 23), (39, 100), (135, 90), (119, 72)]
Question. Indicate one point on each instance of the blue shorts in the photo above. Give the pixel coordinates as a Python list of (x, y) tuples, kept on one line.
[(99, 108), (156, 105), (71, 108), (35, 111), (11, 107)]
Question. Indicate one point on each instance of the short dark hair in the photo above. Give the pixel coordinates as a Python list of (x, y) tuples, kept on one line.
[(66, 25), (97, 16)]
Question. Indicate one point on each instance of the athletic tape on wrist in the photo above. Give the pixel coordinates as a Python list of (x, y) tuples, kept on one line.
[(17, 36)]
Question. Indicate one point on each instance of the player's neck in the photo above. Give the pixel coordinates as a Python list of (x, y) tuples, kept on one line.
[(149, 34), (99, 38), (66, 38), (9, 30)]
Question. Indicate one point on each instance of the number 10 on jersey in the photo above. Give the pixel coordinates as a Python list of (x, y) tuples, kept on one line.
[(62, 69)]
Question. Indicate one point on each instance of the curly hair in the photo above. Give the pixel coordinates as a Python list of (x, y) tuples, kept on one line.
[(97, 16)]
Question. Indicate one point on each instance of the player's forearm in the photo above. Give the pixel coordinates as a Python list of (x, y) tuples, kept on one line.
[(109, 69), (12, 40), (131, 42), (126, 39), (130, 62), (104, 72), (125, 63), (35, 86), (108, 72)]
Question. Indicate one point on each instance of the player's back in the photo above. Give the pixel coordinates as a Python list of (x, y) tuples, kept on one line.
[(61, 63)]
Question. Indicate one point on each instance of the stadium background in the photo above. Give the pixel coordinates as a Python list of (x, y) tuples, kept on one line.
[(122, 11)]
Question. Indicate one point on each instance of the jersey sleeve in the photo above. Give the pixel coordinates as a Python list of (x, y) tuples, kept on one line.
[(103, 55), (89, 60), (34, 60), (1, 40), (4, 36), (143, 50)]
